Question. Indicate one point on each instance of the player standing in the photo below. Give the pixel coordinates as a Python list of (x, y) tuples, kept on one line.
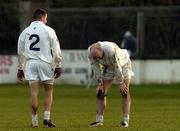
[(39, 47), (107, 61)]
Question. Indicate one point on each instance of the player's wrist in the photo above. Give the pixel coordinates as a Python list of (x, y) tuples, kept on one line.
[(58, 66), (121, 82), (99, 82), (20, 68)]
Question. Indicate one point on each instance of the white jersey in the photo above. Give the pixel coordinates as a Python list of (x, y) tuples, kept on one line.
[(39, 41), (113, 57)]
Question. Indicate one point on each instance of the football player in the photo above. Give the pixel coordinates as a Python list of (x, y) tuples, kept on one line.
[(109, 61), (39, 60)]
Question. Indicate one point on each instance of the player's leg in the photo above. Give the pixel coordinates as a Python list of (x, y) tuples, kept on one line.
[(48, 99), (31, 75), (46, 74), (126, 98), (126, 102), (48, 87), (101, 103), (34, 101)]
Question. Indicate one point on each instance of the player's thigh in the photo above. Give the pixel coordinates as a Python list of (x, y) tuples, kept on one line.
[(46, 71), (106, 85), (48, 87), (34, 88)]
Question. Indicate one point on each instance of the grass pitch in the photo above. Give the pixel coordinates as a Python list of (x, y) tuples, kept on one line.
[(153, 108)]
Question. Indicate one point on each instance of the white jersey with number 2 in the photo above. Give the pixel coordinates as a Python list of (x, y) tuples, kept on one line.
[(39, 41)]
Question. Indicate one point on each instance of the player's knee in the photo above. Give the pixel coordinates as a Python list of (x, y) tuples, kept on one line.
[(125, 95)]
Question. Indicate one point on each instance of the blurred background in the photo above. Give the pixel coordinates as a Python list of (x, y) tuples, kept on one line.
[(154, 24), (78, 23)]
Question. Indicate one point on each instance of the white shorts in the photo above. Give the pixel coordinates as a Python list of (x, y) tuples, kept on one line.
[(127, 72), (37, 70)]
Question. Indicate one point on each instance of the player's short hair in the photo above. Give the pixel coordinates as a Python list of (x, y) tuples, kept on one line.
[(38, 13)]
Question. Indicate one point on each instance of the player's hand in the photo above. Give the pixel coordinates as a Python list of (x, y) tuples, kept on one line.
[(100, 92), (123, 88), (20, 75), (57, 72)]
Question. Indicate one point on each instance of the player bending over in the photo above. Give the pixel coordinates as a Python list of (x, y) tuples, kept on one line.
[(109, 61)]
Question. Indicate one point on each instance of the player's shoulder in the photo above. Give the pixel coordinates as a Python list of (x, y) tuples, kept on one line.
[(107, 45), (24, 32), (49, 29)]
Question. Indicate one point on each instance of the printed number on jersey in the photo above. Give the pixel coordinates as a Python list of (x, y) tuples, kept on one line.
[(36, 40)]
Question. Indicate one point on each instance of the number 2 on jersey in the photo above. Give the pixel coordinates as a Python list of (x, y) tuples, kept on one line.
[(34, 42)]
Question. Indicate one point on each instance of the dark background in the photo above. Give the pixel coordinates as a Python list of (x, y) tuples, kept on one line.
[(79, 23)]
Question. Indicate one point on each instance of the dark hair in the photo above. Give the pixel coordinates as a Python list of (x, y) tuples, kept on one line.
[(38, 13)]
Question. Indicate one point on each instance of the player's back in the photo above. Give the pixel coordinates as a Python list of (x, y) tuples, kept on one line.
[(38, 43), (110, 49)]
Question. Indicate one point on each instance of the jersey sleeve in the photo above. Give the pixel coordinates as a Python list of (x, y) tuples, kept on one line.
[(117, 63), (57, 51), (20, 51), (97, 70), (58, 56)]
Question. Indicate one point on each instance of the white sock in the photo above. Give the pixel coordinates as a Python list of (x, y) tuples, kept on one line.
[(35, 117), (46, 115), (126, 118), (34, 120), (99, 118)]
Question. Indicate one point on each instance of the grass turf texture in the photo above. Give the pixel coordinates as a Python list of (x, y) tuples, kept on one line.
[(153, 108)]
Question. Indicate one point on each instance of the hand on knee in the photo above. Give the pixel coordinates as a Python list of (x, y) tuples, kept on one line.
[(101, 95), (124, 89)]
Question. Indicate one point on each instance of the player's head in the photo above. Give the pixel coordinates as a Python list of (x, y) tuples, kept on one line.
[(40, 14), (96, 51), (127, 34)]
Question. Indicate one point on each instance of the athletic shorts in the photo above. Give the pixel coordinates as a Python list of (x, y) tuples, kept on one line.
[(37, 70), (127, 72)]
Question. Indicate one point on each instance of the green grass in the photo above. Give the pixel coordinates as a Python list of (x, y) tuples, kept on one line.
[(154, 108)]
